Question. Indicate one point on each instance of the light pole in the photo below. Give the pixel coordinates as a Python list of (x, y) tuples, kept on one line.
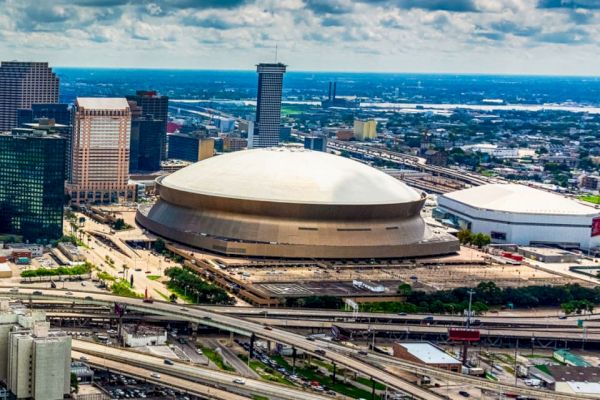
[(471, 292)]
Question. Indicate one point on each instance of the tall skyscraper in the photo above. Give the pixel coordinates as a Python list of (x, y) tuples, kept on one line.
[(153, 107), (35, 362), (32, 177), (268, 106), (100, 151), (23, 84), (146, 144)]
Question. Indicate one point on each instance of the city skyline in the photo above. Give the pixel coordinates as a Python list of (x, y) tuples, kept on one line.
[(546, 37)]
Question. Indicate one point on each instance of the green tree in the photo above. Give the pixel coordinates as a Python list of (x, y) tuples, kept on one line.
[(404, 289), (74, 382), (119, 224), (464, 236), (159, 245), (481, 239)]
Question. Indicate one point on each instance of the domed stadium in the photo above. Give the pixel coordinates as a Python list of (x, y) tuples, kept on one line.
[(292, 203)]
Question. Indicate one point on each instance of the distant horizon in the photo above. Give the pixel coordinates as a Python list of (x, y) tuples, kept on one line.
[(325, 71)]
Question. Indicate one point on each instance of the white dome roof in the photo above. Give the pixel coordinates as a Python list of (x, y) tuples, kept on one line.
[(283, 174), (514, 198)]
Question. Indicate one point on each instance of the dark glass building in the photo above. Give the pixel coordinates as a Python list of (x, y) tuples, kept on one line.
[(183, 147), (145, 146), (268, 105), (60, 113), (155, 107), (315, 142), (32, 176)]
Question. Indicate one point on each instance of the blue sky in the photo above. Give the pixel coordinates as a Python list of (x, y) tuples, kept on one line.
[(469, 36)]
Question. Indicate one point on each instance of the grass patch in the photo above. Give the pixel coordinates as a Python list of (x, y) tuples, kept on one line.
[(153, 277), (594, 199), (490, 377), (180, 293), (257, 397), (123, 288), (543, 368), (82, 269), (161, 294), (292, 109), (265, 372), (105, 276), (216, 358), (367, 383), (340, 387)]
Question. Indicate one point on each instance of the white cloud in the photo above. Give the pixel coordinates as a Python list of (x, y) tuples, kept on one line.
[(488, 36)]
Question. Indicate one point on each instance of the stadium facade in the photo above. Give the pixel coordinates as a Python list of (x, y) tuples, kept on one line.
[(292, 203), (519, 214)]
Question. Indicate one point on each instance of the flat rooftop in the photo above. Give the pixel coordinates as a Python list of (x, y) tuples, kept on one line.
[(428, 353), (103, 103)]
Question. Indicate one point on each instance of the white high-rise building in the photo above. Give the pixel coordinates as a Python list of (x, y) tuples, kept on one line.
[(34, 361)]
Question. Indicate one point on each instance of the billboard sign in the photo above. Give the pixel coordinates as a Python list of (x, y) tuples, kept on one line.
[(596, 227), (463, 335)]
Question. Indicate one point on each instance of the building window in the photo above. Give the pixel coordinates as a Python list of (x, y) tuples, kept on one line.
[(498, 235)]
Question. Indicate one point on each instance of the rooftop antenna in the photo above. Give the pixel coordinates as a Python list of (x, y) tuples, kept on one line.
[(275, 52)]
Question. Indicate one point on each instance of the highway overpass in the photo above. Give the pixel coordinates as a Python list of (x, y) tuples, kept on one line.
[(375, 366)]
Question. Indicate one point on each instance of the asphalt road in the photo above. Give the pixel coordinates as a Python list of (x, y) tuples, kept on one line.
[(223, 379), (246, 328)]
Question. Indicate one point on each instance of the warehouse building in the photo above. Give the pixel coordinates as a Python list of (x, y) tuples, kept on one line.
[(428, 354)]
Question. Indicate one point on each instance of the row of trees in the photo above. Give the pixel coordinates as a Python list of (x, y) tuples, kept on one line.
[(480, 240), (82, 269), (193, 287), (329, 302), (571, 298)]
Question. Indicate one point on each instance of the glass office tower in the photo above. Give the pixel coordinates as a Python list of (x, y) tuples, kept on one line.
[(32, 176)]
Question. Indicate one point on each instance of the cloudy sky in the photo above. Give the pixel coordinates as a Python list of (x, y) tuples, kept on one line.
[(484, 36)]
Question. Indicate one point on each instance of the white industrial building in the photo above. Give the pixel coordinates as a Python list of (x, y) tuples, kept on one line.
[(139, 336), (522, 215)]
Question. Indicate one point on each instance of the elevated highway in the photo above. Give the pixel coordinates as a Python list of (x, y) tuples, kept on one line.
[(210, 378), (183, 384), (411, 162), (235, 325), (375, 366)]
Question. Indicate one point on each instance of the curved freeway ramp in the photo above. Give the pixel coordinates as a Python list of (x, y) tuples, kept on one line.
[(373, 365)]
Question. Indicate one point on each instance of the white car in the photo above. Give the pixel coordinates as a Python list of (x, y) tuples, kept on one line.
[(239, 381), (155, 375)]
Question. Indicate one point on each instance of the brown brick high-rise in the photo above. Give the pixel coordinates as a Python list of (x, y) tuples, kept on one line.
[(23, 84)]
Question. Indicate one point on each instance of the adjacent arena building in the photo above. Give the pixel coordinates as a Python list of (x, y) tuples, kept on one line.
[(292, 203), (522, 215)]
